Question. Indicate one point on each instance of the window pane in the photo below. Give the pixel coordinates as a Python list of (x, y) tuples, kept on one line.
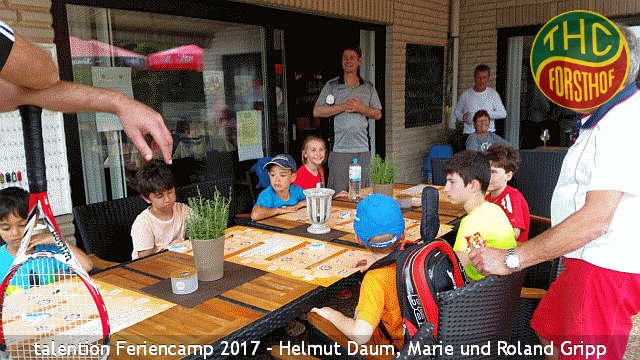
[(199, 74)]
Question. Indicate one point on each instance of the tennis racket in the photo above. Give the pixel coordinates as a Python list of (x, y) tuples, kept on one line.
[(48, 304)]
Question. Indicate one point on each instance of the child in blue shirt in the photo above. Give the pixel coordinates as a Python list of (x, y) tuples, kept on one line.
[(281, 196), (14, 207)]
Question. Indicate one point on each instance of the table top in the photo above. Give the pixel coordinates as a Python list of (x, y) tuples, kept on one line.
[(246, 312), (446, 210)]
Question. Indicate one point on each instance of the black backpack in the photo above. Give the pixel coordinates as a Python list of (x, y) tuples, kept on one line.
[(423, 269)]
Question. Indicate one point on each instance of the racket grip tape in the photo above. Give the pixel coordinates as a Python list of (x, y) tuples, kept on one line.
[(34, 147)]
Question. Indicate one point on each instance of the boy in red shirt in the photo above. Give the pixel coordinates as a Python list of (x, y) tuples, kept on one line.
[(504, 162)]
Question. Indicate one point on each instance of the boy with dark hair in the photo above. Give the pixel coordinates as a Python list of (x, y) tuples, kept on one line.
[(504, 161), (281, 196), (14, 208), (163, 222), (379, 225), (468, 175)]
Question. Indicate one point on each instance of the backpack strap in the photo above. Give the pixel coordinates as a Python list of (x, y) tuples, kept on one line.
[(430, 222)]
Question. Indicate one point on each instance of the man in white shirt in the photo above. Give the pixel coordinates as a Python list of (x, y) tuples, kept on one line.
[(594, 213), (479, 97)]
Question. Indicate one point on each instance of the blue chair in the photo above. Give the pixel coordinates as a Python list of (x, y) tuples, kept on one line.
[(439, 151)]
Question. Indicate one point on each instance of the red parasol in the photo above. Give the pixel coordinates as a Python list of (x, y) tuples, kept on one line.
[(187, 57), (88, 51)]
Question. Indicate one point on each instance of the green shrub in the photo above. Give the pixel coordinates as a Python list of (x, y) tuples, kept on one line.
[(381, 171), (208, 218)]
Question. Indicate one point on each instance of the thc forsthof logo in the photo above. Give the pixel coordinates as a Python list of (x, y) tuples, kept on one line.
[(579, 60)]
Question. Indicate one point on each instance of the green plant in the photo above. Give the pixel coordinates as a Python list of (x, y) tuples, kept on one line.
[(208, 217), (382, 171)]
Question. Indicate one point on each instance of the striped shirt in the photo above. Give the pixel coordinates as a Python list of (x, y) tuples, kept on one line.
[(6, 43)]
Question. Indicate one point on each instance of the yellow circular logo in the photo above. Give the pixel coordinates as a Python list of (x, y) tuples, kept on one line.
[(579, 60)]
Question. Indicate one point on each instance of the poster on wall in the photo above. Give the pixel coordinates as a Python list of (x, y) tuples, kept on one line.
[(249, 130), (114, 78)]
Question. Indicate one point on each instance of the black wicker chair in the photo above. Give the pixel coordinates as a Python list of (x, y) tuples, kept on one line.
[(439, 176), (537, 189), (105, 227), (477, 314)]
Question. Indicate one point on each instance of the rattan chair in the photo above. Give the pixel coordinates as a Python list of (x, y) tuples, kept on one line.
[(105, 227)]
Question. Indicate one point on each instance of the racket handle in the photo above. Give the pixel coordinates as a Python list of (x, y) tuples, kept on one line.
[(34, 147)]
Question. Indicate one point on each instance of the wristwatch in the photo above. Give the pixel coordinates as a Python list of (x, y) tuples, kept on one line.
[(512, 260)]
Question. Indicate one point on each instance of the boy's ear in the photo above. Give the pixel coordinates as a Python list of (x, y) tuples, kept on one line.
[(475, 185), (293, 176), (508, 175), (146, 199)]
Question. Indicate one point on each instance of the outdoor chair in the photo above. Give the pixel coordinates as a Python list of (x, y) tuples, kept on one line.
[(439, 151), (105, 227), (475, 314), (537, 177), (439, 176)]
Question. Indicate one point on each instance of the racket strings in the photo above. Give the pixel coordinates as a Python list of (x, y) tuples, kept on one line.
[(51, 311)]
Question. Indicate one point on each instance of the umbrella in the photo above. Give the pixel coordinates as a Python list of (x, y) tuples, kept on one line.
[(94, 52), (187, 57)]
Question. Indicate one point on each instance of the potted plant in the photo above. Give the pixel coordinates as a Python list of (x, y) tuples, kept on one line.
[(382, 174), (205, 227)]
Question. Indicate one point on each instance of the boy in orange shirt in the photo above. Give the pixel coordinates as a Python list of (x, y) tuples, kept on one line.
[(379, 225)]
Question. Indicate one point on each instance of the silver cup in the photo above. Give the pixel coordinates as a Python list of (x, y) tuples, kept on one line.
[(319, 209)]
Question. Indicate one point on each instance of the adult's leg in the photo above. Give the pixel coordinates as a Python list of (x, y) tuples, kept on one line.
[(339, 171)]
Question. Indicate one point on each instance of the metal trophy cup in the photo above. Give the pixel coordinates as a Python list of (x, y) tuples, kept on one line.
[(319, 209)]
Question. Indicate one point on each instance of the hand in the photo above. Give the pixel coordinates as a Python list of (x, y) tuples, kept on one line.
[(342, 193), (324, 311), (489, 261), (363, 264), (287, 209), (40, 239), (139, 120), (467, 118), (355, 105), (299, 205)]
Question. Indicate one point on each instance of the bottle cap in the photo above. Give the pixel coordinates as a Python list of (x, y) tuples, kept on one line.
[(354, 160)]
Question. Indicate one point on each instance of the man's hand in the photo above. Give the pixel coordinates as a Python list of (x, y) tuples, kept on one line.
[(355, 105), (466, 117), (489, 261), (139, 120)]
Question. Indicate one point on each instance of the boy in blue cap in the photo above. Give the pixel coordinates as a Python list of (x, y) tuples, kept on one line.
[(379, 225), (281, 196)]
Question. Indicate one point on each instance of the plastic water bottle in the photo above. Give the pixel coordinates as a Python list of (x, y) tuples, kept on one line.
[(355, 180)]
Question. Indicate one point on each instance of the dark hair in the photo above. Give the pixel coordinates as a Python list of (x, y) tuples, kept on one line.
[(470, 165), (503, 156), (354, 48), (479, 114), (482, 68), (14, 200), (154, 176)]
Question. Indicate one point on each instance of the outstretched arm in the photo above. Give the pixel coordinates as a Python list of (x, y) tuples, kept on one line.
[(137, 119)]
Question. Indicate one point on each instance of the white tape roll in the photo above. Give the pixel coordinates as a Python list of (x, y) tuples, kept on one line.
[(184, 282)]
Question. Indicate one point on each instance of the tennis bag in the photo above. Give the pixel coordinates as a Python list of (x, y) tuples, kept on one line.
[(423, 269)]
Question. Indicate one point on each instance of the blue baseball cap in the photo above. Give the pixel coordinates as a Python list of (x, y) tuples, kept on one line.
[(376, 215), (284, 161)]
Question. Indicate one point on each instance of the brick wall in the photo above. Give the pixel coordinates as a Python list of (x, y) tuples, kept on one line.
[(29, 18), (480, 20)]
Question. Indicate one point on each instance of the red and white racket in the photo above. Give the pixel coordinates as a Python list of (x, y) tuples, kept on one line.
[(49, 307)]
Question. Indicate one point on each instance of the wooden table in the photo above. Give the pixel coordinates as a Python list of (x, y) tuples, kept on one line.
[(238, 316), (447, 211)]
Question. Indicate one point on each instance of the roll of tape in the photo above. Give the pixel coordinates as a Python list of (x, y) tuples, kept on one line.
[(184, 282)]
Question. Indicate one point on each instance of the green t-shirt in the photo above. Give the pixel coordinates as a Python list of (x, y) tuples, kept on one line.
[(493, 225)]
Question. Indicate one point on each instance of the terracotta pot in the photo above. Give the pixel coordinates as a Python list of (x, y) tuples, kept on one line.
[(384, 189), (209, 258)]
